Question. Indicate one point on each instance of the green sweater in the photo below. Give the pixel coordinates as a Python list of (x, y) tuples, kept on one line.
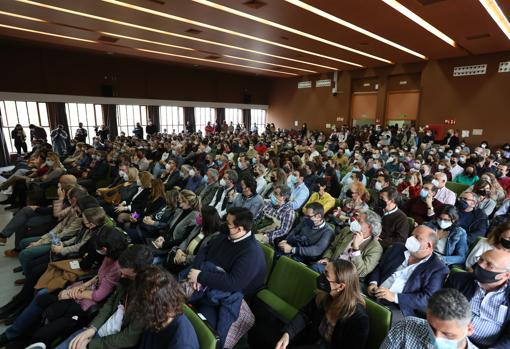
[(130, 333), (371, 252)]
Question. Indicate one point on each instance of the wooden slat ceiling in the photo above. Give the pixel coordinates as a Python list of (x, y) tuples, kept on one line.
[(257, 48)]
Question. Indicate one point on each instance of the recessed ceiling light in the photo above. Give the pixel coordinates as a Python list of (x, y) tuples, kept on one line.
[(167, 33), (420, 21), (352, 26), (497, 15), (228, 31)]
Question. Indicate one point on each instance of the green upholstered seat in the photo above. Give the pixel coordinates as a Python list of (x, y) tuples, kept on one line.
[(269, 255), (379, 318), (457, 188), (291, 285), (206, 337)]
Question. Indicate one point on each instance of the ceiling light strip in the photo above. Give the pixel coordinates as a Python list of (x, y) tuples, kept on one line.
[(492, 7), (22, 17), (286, 28), (213, 61), (46, 33), (420, 21), (228, 31), (352, 26), (192, 49), (163, 32), (145, 50)]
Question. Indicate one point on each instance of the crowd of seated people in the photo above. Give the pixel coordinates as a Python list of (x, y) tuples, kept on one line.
[(115, 236)]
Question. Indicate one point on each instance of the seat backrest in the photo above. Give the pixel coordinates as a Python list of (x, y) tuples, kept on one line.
[(206, 338), (410, 222), (457, 188), (269, 255), (379, 318), (293, 282)]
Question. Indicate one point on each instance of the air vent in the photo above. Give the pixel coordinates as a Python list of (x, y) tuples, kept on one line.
[(504, 67), (160, 2), (478, 36), (256, 4), (479, 69), (193, 31), (429, 2), (212, 57), (108, 39)]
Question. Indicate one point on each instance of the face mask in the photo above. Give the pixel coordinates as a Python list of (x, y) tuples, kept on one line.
[(198, 220), (348, 193), (101, 252), (505, 243), (274, 201), (424, 193), (192, 173), (219, 163), (462, 204), (417, 166), (355, 227), (412, 244), (375, 156), (123, 175), (223, 183), (481, 192), (435, 183), (323, 283), (292, 179), (444, 224), (484, 276), (390, 159), (376, 166), (49, 163), (308, 222), (167, 167), (462, 160), (498, 174), (355, 169), (240, 165), (139, 182), (378, 186), (441, 167), (381, 204), (182, 174), (484, 145), (444, 343)]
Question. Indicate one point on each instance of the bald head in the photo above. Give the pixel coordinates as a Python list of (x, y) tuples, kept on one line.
[(497, 259), (68, 179)]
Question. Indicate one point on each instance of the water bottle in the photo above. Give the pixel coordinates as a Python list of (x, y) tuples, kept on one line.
[(55, 240)]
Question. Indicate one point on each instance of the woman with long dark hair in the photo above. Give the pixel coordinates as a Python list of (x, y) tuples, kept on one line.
[(336, 318), (157, 303)]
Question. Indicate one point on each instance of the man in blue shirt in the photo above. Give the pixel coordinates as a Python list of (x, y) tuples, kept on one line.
[(300, 192)]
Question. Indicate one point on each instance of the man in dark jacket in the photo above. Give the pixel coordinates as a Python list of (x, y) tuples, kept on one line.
[(151, 129), (488, 291), (472, 219), (309, 239), (210, 188), (37, 132), (408, 275), (238, 257), (138, 131)]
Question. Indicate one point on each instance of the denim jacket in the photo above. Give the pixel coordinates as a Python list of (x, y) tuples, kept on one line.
[(456, 249)]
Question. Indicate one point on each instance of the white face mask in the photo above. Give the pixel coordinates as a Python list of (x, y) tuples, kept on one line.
[(444, 224), (139, 182), (355, 227), (223, 183), (412, 244), (378, 186), (441, 167), (435, 182), (192, 173)]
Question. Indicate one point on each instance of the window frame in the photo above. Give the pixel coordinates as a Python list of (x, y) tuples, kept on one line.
[(202, 116), (91, 129), (258, 115), (125, 125), (176, 114)]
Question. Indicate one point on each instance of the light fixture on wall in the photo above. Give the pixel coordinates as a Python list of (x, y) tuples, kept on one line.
[(352, 26), (420, 21), (497, 15)]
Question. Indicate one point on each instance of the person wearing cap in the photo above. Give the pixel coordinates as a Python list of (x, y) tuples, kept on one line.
[(443, 195), (357, 243)]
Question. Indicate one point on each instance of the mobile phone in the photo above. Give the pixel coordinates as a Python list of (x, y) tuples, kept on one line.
[(135, 215)]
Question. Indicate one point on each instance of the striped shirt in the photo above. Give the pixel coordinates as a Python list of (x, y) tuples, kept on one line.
[(412, 333), (489, 313)]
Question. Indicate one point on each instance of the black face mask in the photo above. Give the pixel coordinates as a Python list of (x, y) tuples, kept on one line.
[(505, 243), (323, 283), (381, 204), (481, 192), (484, 276), (348, 193)]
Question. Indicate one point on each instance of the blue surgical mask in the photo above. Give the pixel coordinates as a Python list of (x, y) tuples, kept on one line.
[(292, 179), (274, 201), (240, 165), (424, 193)]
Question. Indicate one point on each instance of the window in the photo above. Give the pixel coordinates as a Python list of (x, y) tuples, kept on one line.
[(171, 118), (24, 113), (203, 116), (91, 115), (259, 116), (128, 116), (233, 115)]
